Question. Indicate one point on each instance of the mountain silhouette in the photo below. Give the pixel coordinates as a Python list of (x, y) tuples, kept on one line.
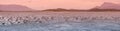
[(108, 5), (14, 7)]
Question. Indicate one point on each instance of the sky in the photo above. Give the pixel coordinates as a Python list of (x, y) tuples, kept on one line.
[(50, 4)]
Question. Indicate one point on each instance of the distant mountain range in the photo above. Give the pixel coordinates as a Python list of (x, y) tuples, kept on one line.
[(14, 8), (108, 5)]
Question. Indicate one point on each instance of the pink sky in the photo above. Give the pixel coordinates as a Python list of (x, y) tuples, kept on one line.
[(68, 4)]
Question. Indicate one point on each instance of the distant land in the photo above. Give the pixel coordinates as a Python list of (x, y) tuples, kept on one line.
[(75, 10), (106, 6), (14, 7)]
